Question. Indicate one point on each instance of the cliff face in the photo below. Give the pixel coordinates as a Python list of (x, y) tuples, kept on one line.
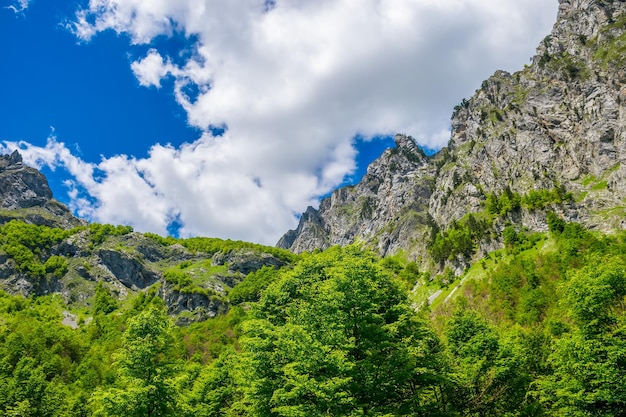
[(388, 208), (25, 195), (559, 122)]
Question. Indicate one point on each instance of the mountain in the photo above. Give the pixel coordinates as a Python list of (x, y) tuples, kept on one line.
[(44, 249), (549, 138), (25, 194), (544, 143), (534, 326)]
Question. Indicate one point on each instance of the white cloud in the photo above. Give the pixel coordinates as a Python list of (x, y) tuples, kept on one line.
[(18, 6), (293, 85), (151, 69)]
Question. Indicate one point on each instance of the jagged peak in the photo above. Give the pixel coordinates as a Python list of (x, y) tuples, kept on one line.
[(404, 141), (26, 195), (556, 121), (12, 160), (407, 142)]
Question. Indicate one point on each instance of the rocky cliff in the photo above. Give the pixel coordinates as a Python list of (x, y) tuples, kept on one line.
[(25, 194), (558, 124), (388, 208)]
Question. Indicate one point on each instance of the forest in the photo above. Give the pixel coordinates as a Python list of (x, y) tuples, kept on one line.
[(536, 328)]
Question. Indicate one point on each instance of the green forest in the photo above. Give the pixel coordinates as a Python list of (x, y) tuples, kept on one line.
[(536, 328)]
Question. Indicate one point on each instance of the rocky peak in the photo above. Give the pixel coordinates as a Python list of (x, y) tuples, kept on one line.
[(407, 144), (559, 122), (21, 186), (25, 192), (11, 161), (395, 188)]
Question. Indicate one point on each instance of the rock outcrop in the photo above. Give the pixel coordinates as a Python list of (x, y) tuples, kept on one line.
[(25, 195), (388, 208), (559, 122)]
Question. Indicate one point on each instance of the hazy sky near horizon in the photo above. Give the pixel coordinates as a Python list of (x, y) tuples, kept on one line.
[(228, 118)]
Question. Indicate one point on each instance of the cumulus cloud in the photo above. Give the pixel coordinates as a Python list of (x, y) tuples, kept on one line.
[(205, 186), (293, 82)]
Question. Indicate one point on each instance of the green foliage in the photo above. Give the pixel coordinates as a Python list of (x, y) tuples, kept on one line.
[(595, 295), (501, 205), (145, 371), (541, 333), (539, 199), (215, 391), (253, 284), (206, 341), (99, 232), (491, 378), (556, 225), (558, 319), (38, 358), (336, 336), (460, 239), (407, 272), (213, 245), (179, 280), (445, 278), (27, 243), (56, 265), (589, 363), (165, 241), (611, 49), (103, 302), (516, 241)]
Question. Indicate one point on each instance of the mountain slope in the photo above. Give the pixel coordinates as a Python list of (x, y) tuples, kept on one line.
[(44, 249), (556, 125)]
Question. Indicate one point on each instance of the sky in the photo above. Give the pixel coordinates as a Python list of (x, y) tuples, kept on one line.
[(228, 118)]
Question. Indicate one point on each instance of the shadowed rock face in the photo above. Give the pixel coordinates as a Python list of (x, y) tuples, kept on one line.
[(21, 186), (559, 121), (131, 272), (25, 191)]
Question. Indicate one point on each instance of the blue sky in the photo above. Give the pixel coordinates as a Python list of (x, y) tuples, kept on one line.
[(122, 103), (85, 90)]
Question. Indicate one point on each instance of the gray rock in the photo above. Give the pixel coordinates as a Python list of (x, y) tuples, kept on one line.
[(126, 269), (198, 306), (387, 206), (559, 121), (25, 195), (246, 261)]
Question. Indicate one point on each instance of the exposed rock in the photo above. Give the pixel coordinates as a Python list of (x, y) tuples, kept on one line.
[(70, 320), (198, 306), (126, 269), (246, 261), (21, 186), (25, 195), (386, 207), (559, 121)]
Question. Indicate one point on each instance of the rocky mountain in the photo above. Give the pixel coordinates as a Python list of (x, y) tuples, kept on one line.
[(25, 194), (44, 249), (549, 138), (192, 276)]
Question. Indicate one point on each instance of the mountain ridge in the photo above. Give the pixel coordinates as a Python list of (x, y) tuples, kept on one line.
[(556, 124), (547, 140)]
